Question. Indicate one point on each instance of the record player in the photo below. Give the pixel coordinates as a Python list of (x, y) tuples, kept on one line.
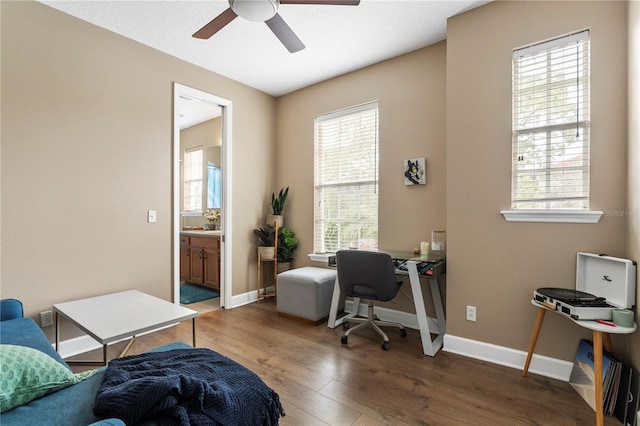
[(603, 283)]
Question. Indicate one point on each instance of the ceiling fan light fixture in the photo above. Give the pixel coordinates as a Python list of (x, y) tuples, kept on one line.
[(264, 11), (255, 10)]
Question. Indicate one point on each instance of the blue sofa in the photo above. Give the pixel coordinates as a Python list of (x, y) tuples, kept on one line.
[(70, 406), (195, 385)]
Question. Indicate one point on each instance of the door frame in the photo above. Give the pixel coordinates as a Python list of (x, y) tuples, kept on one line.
[(226, 219)]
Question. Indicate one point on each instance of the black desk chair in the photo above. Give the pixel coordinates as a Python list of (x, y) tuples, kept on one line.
[(369, 275)]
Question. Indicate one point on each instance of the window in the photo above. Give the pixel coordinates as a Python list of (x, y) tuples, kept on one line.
[(193, 179), (550, 168), (346, 179)]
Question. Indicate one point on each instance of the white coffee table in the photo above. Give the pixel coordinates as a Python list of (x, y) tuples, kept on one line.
[(113, 317)]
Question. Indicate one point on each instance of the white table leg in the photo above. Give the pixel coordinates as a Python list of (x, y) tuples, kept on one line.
[(437, 303), (335, 302), (428, 346)]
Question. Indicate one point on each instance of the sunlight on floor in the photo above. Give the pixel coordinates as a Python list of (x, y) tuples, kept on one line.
[(205, 306)]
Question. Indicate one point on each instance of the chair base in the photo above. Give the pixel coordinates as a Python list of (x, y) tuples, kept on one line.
[(373, 322)]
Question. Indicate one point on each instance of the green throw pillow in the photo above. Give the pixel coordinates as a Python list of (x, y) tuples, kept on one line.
[(28, 373)]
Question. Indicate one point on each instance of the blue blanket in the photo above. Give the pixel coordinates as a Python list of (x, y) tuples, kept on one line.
[(185, 387)]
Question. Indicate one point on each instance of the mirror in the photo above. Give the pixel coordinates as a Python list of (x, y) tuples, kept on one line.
[(214, 193), (200, 159)]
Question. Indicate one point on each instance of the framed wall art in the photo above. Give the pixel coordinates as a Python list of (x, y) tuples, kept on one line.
[(415, 171)]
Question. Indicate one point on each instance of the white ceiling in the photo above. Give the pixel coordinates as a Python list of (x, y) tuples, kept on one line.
[(338, 39), (192, 111)]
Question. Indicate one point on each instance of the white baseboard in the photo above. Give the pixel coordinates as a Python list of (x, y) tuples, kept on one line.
[(405, 318), (501, 355), (245, 298)]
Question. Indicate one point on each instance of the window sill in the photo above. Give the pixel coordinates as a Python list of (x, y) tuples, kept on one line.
[(552, 216), (321, 257)]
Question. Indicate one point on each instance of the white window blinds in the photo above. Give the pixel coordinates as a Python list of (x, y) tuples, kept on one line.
[(346, 179), (551, 124), (193, 179)]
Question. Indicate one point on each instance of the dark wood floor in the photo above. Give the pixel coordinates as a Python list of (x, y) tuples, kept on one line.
[(320, 381)]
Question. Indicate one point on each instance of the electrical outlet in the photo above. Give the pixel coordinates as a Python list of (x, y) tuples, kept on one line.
[(471, 313), (46, 319)]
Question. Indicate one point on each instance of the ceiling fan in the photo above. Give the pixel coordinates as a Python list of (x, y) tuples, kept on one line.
[(267, 12)]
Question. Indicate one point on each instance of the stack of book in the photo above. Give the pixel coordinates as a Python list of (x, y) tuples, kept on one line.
[(620, 384)]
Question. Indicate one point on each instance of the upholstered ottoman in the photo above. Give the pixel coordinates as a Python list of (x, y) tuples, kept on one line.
[(304, 294)]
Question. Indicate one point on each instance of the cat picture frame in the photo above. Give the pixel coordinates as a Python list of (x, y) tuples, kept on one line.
[(415, 171)]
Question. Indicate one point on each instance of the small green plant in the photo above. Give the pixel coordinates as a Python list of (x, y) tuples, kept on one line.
[(277, 203), (287, 245), (266, 236)]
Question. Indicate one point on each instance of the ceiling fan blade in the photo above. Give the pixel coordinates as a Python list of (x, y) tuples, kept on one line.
[(284, 33), (216, 24), (327, 2)]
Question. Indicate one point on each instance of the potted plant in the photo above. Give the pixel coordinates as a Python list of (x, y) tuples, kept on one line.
[(277, 205), (287, 247), (266, 242), (212, 216)]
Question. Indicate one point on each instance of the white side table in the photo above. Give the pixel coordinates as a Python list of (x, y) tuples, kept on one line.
[(601, 336)]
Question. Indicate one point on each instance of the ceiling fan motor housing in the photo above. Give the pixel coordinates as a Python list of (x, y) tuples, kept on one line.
[(255, 10)]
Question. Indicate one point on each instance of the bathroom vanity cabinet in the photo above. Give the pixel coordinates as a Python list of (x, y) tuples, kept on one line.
[(200, 258)]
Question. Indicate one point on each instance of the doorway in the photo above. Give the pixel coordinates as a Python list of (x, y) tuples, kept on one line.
[(211, 105)]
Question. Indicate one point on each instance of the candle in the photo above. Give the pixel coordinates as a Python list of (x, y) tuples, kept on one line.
[(424, 248)]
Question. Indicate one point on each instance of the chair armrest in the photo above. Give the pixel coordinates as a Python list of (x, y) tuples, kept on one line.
[(10, 309)]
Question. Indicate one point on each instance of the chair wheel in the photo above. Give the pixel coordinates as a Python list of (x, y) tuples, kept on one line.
[(346, 325), (403, 332), (385, 346), (343, 340)]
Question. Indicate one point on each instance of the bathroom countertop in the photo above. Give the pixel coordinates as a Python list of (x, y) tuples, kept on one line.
[(202, 233)]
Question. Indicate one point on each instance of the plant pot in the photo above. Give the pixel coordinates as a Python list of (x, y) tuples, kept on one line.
[(284, 266), (267, 253), (275, 218)]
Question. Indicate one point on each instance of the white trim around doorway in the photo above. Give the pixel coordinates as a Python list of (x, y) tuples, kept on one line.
[(227, 184)]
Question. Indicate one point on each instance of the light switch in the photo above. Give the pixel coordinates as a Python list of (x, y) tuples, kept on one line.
[(151, 216)]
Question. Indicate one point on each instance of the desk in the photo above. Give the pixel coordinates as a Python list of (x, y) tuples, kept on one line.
[(600, 337), (426, 325)]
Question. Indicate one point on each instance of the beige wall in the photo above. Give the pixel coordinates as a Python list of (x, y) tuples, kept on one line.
[(410, 90), (633, 190), (493, 264), (87, 150)]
